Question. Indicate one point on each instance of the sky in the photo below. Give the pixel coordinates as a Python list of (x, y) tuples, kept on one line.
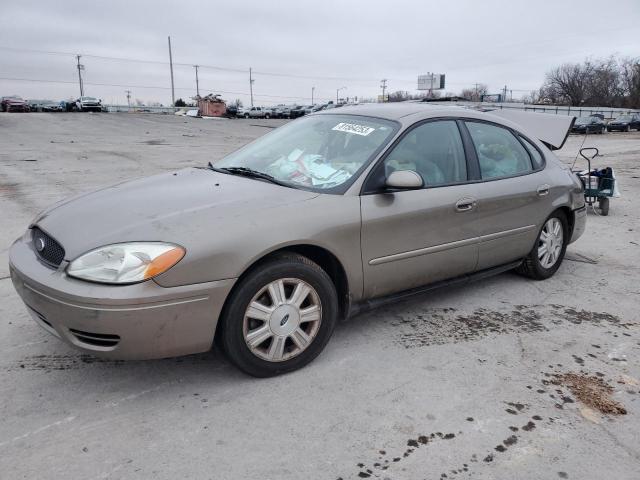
[(294, 46)]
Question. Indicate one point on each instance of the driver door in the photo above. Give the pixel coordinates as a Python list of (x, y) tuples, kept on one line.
[(412, 238)]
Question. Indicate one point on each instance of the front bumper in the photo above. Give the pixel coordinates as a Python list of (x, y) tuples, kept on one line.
[(579, 223), (140, 321), (620, 128)]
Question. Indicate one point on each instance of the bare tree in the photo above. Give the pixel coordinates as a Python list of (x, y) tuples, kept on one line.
[(399, 96), (601, 82), (475, 94), (630, 82)]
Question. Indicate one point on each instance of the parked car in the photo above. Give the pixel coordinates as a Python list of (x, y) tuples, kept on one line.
[(625, 123), (589, 125), (297, 111), (34, 105), (286, 110), (313, 222), (88, 104), (278, 111), (51, 106), (13, 103), (313, 108), (232, 111), (257, 112)]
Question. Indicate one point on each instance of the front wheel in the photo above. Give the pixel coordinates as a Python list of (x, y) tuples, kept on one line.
[(547, 253), (628, 129), (280, 317)]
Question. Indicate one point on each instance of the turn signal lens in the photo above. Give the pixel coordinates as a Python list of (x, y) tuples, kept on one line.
[(164, 262)]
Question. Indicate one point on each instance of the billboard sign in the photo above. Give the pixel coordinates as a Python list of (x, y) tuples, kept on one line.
[(431, 81)]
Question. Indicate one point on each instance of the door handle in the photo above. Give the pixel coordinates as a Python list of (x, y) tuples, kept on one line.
[(543, 190), (465, 204)]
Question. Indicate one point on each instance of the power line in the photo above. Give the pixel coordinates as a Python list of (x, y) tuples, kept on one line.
[(367, 81), (151, 87)]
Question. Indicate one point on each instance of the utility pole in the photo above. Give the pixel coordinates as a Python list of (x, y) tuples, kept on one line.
[(251, 85), (80, 68), (197, 84), (477, 98), (383, 85), (504, 98), (312, 90), (337, 92), (128, 92), (173, 92)]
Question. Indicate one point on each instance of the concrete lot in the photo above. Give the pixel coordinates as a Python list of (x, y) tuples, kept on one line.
[(464, 369)]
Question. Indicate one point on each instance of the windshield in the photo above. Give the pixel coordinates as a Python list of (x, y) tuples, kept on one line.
[(320, 153), (623, 118), (88, 99), (583, 120)]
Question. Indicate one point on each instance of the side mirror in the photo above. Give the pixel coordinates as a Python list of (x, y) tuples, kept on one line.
[(404, 180)]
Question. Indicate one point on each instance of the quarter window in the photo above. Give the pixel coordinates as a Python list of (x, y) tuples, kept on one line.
[(434, 150), (536, 157), (500, 154)]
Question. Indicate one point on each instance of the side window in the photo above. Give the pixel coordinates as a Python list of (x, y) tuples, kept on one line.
[(536, 157), (500, 154), (434, 150)]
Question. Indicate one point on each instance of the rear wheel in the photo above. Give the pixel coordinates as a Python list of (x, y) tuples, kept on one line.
[(547, 253), (280, 317), (603, 203), (628, 129)]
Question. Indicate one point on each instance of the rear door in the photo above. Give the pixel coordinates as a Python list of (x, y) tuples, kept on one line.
[(415, 237), (512, 196)]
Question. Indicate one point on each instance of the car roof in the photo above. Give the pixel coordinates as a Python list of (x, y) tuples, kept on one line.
[(397, 110), (552, 130)]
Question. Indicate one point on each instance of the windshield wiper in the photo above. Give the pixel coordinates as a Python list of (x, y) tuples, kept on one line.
[(215, 169), (249, 172)]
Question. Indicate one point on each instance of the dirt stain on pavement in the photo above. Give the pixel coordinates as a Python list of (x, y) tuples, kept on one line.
[(592, 391), (424, 327)]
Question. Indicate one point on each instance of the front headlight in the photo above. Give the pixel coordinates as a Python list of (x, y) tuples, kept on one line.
[(126, 262)]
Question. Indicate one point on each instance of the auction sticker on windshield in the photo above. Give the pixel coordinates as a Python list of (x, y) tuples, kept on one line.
[(353, 128)]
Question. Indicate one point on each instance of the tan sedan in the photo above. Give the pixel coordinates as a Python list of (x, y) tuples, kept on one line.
[(330, 214)]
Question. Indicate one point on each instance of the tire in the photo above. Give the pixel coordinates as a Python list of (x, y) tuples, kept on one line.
[(267, 116), (603, 203), (628, 129), (533, 266), (246, 115), (278, 346)]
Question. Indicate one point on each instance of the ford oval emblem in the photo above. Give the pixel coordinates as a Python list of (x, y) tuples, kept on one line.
[(40, 244), (284, 320)]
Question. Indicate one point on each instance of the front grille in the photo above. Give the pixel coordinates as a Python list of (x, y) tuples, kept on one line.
[(96, 339), (49, 251)]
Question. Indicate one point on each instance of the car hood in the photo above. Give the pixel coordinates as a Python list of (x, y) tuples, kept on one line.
[(172, 207), (16, 102)]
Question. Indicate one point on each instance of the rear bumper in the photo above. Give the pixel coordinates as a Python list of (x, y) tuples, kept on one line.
[(579, 223), (140, 321)]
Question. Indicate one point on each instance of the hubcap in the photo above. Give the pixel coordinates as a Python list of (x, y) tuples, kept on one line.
[(550, 243), (282, 319)]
